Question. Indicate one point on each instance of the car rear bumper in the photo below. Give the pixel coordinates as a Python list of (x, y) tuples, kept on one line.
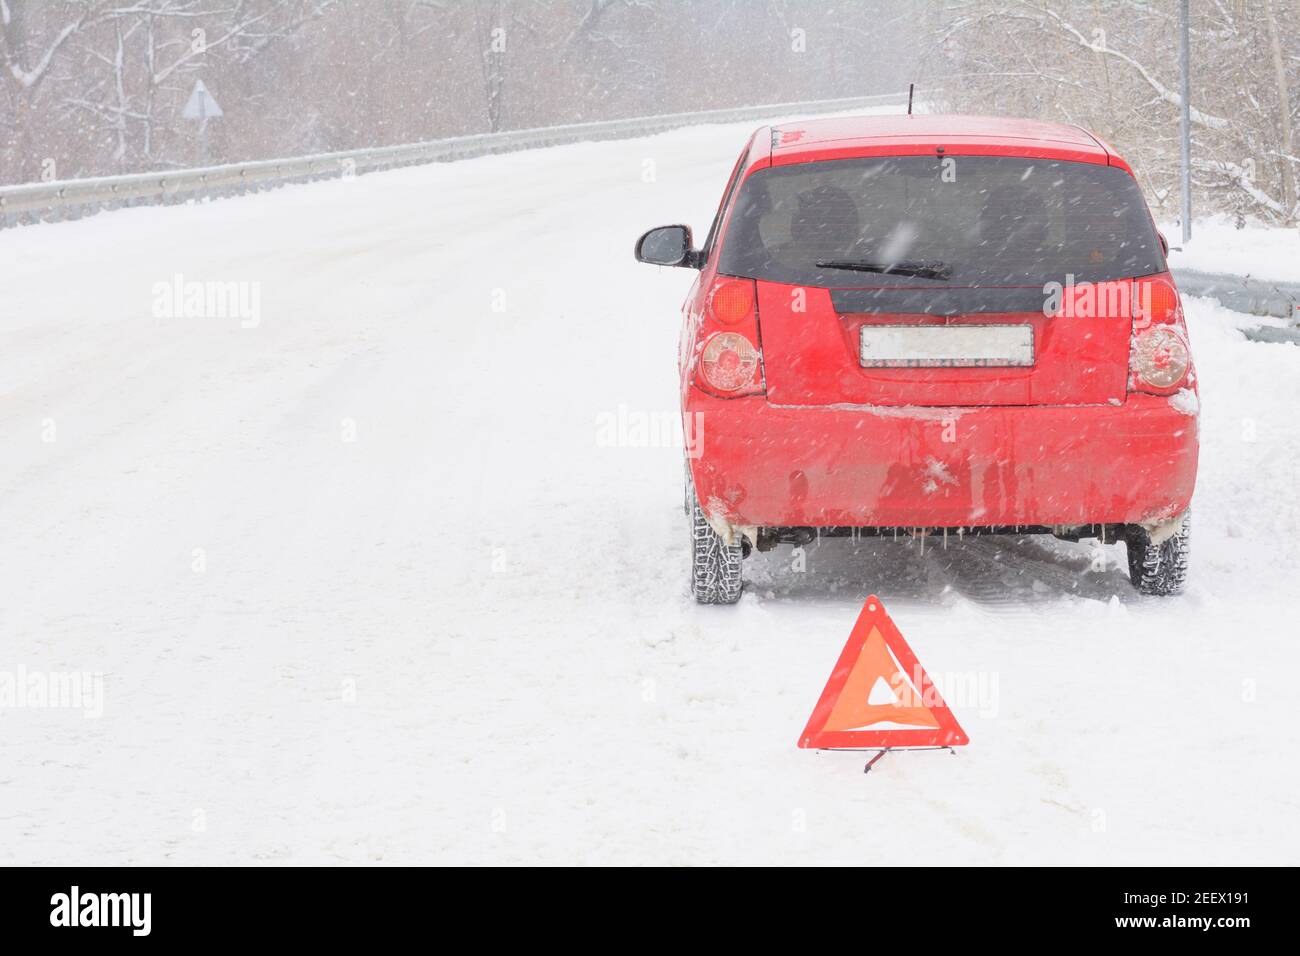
[(762, 465)]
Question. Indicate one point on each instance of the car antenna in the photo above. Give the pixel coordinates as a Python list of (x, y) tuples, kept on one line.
[(910, 88)]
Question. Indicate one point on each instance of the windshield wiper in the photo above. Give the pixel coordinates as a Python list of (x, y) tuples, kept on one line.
[(928, 269)]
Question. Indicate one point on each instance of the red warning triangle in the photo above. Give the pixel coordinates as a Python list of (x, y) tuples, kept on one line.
[(879, 695)]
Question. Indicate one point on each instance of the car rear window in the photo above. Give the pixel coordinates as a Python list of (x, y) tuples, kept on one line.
[(978, 220)]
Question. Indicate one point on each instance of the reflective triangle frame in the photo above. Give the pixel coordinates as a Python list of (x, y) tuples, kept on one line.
[(944, 730)]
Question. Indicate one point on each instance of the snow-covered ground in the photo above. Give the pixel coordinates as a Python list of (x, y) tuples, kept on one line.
[(1217, 245), (368, 581)]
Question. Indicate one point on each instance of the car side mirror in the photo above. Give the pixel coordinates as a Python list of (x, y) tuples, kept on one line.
[(668, 246), (1164, 243)]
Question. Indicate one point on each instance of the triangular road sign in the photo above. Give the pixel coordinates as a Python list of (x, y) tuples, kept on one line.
[(200, 106), (879, 695)]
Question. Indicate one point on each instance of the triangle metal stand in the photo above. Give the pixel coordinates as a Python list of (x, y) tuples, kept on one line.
[(884, 750)]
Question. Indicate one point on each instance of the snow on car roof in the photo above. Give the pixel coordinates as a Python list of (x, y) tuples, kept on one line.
[(930, 128)]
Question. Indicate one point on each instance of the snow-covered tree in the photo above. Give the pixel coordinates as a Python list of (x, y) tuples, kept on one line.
[(1112, 66), (97, 86)]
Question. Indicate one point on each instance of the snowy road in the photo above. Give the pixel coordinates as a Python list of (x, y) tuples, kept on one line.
[(365, 584)]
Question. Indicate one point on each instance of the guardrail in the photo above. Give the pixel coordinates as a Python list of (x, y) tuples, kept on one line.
[(1243, 293), (74, 198)]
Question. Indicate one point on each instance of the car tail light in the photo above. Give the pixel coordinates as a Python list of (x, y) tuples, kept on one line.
[(728, 361), (732, 300), (728, 357), (1160, 357), (1155, 302)]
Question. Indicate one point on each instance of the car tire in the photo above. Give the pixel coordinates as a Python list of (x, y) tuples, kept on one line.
[(716, 576), (1159, 569)]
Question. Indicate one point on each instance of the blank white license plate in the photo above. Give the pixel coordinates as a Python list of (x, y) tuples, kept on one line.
[(946, 346)]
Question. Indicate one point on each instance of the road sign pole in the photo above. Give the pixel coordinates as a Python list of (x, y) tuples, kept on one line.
[(201, 107), (1184, 59)]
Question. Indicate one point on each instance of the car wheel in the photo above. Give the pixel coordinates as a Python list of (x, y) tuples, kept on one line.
[(715, 565), (1158, 568)]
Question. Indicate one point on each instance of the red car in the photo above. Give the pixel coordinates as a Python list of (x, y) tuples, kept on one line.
[(932, 325)]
